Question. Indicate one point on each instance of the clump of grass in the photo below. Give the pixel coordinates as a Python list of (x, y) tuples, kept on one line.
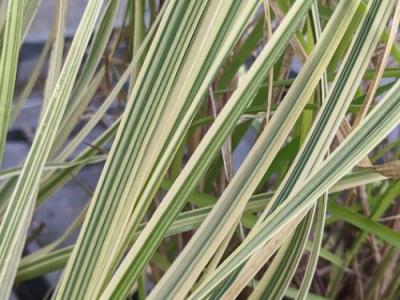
[(249, 151)]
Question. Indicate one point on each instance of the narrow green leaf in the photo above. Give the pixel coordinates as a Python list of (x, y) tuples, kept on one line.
[(8, 65), (382, 232)]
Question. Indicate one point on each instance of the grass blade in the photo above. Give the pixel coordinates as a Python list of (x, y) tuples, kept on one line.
[(17, 217)]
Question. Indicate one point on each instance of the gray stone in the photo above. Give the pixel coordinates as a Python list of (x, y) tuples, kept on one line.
[(243, 148), (29, 114), (14, 154), (41, 25)]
